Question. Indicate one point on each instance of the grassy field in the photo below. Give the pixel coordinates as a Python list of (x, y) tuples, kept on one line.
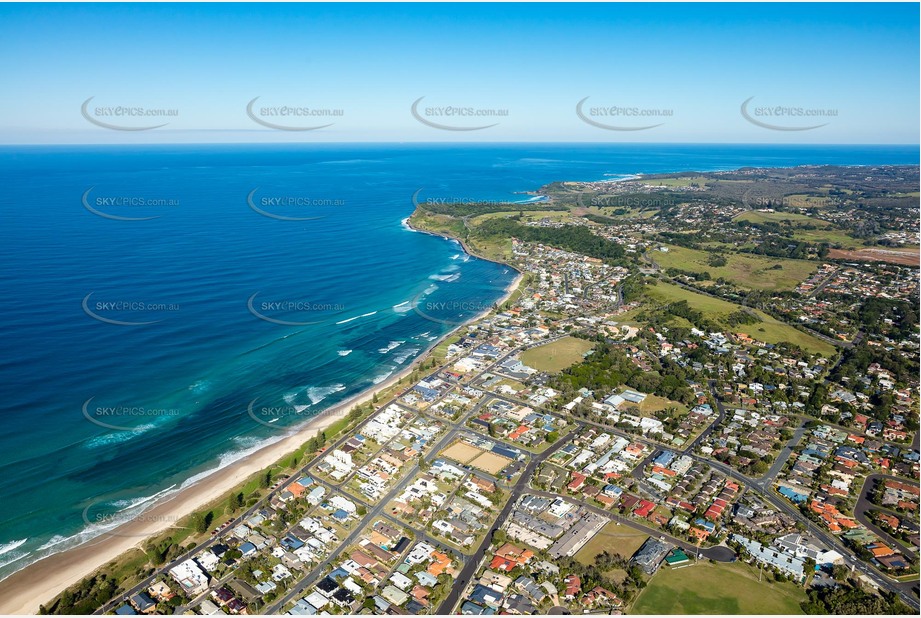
[(621, 540), (769, 330), (754, 272), (518, 386), (438, 224), (497, 249), (791, 218), (716, 588), (654, 403), (517, 292), (526, 216), (440, 352), (827, 232), (831, 236), (556, 356), (677, 182)]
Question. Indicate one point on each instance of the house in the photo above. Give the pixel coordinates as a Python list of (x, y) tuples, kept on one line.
[(482, 595), (774, 557), (190, 577), (573, 587), (601, 596), (160, 591), (143, 603), (650, 555), (208, 608)]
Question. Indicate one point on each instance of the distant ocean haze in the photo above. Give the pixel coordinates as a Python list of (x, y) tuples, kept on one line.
[(168, 309)]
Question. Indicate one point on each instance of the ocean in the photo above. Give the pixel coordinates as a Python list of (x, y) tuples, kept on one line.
[(168, 309)]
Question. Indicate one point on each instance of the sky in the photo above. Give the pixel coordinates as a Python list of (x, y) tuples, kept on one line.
[(810, 73)]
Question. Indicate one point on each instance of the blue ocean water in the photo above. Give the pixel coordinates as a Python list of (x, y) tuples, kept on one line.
[(236, 321)]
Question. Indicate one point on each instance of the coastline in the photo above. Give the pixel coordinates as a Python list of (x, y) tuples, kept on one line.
[(40, 582)]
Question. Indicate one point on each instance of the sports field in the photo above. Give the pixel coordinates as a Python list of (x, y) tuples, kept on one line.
[(717, 588), (556, 356), (621, 540)]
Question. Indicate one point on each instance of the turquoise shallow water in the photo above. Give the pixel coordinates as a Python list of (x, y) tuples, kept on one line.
[(240, 321)]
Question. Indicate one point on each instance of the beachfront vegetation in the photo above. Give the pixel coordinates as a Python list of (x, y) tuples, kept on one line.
[(570, 237), (136, 564)]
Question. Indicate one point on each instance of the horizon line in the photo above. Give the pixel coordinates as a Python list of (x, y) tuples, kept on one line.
[(471, 143)]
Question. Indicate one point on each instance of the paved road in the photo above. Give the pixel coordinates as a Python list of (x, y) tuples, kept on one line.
[(904, 590), (470, 567), (824, 283), (455, 428), (785, 453), (717, 553), (864, 505)]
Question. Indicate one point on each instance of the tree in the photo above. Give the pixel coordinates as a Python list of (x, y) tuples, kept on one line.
[(203, 522), (840, 572), (235, 502)]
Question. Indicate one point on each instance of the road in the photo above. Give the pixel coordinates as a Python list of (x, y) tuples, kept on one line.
[(377, 510), (904, 590), (470, 567), (717, 553), (864, 505), (815, 291), (761, 486)]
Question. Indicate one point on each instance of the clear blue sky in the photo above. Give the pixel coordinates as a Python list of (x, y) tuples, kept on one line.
[(701, 61)]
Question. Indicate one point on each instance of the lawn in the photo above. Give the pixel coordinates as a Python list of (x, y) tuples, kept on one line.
[(654, 403), (556, 356), (621, 540), (440, 352), (754, 272), (716, 588), (769, 330), (518, 386)]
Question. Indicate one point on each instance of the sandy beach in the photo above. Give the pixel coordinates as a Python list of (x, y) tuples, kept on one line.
[(37, 584), (40, 582)]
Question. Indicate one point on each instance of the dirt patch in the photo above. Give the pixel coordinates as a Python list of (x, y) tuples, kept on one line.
[(906, 258), (462, 452), (490, 462)]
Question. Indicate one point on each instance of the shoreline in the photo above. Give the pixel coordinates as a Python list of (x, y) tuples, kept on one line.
[(40, 582)]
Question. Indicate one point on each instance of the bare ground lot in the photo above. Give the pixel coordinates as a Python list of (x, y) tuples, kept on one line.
[(462, 452), (490, 462), (908, 257)]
